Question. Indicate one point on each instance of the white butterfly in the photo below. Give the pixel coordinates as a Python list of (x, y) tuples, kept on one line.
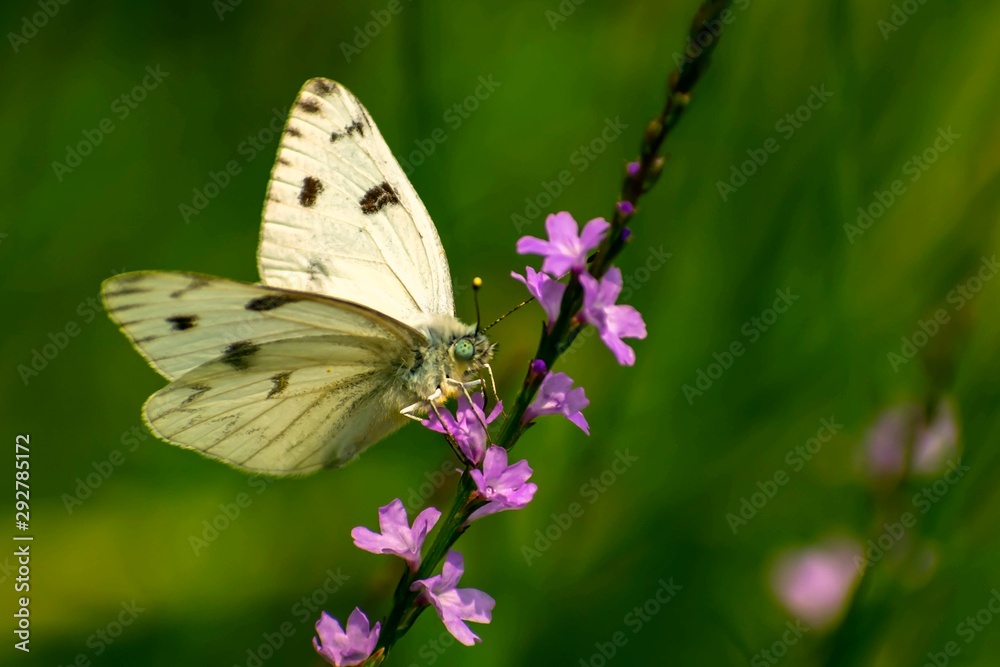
[(352, 330)]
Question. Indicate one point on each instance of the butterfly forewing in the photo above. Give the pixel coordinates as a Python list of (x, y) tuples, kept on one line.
[(179, 321), (341, 219)]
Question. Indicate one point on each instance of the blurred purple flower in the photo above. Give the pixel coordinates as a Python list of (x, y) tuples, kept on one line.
[(505, 487), (632, 168), (903, 430), (935, 444), (816, 583), (397, 537), (345, 648), (538, 367), (613, 322), (557, 396), (456, 605), (466, 427), (567, 248), (547, 292)]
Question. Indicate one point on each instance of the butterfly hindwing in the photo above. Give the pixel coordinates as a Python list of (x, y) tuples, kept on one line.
[(289, 407), (341, 218)]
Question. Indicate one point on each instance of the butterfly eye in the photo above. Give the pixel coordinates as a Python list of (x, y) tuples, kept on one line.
[(464, 350)]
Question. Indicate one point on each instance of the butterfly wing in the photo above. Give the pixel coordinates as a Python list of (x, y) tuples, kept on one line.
[(298, 406), (341, 218), (267, 380)]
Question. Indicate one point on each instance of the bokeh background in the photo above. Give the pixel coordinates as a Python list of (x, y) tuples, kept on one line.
[(119, 548)]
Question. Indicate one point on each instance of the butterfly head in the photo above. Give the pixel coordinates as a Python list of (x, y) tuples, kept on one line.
[(471, 352)]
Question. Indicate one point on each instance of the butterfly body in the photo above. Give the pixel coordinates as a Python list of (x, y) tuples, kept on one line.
[(352, 330)]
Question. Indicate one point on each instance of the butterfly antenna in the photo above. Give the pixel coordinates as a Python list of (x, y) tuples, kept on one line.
[(510, 312), (477, 282)]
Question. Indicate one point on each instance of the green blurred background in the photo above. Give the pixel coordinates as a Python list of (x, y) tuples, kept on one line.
[(230, 66)]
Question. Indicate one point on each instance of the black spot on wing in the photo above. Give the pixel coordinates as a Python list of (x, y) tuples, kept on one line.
[(317, 267), (356, 128), (311, 188), (238, 354), (309, 105), (323, 87), (270, 302), (182, 322), (284, 161), (378, 198), (292, 132), (280, 382)]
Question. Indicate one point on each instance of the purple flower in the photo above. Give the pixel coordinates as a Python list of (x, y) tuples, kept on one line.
[(816, 583), (557, 396), (632, 168), (397, 537), (505, 487), (456, 605), (566, 248), (904, 431), (613, 322), (548, 292), (466, 427), (345, 648), (626, 208), (538, 367)]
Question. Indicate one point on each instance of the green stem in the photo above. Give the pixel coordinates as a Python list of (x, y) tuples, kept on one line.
[(557, 338)]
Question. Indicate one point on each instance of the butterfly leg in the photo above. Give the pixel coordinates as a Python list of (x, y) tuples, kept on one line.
[(409, 410), (493, 384)]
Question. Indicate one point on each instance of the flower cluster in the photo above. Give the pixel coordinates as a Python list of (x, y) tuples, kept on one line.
[(499, 487), (493, 484), (566, 251)]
